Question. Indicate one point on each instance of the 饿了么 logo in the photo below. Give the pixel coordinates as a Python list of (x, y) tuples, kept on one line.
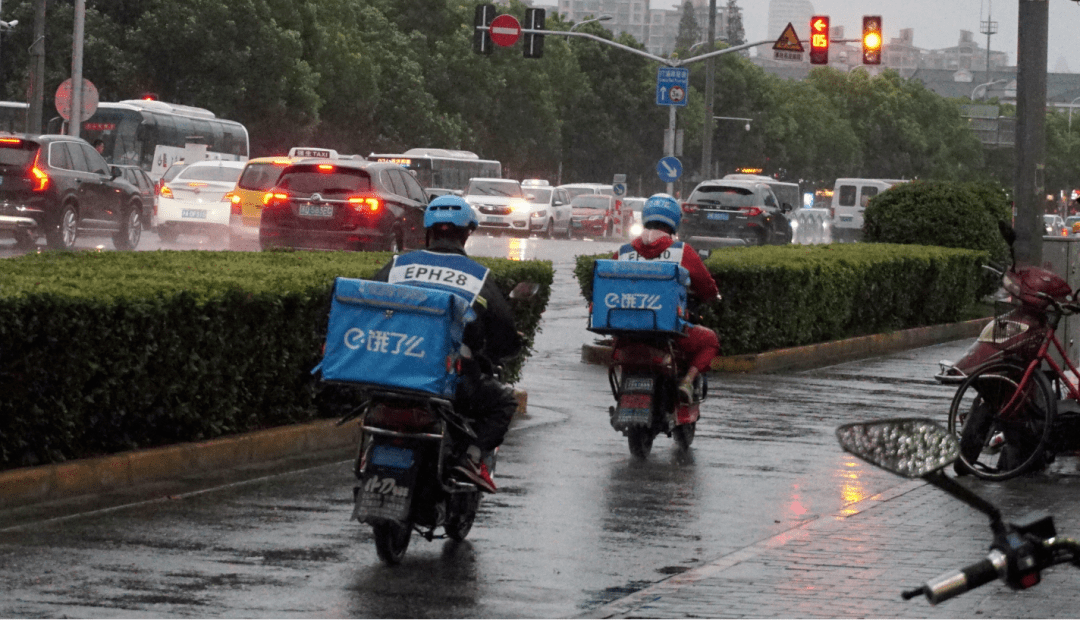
[(636, 301), (377, 341)]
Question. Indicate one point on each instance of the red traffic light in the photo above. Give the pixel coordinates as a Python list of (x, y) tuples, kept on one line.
[(871, 40), (819, 40)]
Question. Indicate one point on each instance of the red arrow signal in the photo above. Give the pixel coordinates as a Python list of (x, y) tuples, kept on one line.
[(821, 24)]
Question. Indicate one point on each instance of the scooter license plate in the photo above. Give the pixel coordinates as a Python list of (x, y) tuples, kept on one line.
[(384, 493), (390, 456), (638, 384)]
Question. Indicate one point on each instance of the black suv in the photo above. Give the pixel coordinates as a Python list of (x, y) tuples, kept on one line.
[(733, 209), (344, 204), (61, 186)]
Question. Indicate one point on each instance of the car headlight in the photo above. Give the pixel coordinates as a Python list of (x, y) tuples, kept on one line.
[(518, 205)]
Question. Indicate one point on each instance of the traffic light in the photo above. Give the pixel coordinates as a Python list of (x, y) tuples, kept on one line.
[(481, 42), (871, 40), (819, 40), (534, 43)]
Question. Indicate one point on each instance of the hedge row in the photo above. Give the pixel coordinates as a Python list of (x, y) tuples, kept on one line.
[(112, 351), (785, 296)]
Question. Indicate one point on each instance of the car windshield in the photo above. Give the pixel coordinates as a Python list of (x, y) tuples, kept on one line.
[(574, 192), (591, 201), (494, 188), (539, 194), (260, 177), (307, 180), (209, 173), (724, 196)]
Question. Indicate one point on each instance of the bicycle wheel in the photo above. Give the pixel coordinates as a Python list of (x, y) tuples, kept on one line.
[(997, 444)]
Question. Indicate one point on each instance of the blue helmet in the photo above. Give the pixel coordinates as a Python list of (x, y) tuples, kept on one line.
[(450, 209), (662, 208)]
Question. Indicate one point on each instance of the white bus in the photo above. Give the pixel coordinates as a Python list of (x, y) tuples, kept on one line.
[(154, 134), (444, 168)]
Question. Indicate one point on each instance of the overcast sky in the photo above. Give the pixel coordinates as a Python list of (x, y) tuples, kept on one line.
[(937, 23)]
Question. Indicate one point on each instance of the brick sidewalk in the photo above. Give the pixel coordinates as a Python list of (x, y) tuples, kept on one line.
[(856, 563)]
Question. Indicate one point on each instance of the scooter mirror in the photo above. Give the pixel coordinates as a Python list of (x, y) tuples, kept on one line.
[(524, 290), (909, 447)]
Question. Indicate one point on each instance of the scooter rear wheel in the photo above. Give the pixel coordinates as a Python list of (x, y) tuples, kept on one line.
[(392, 540), (461, 521), (683, 435), (993, 445), (640, 439)]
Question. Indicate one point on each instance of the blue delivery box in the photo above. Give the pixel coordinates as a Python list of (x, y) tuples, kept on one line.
[(633, 296), (395, 336)]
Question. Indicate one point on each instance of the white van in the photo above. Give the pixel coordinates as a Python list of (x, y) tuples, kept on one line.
[(849, 200)]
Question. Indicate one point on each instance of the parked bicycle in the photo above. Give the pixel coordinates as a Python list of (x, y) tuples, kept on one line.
[(1018, 407)]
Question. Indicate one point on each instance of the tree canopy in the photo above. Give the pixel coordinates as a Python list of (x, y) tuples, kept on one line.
[(365, 76)]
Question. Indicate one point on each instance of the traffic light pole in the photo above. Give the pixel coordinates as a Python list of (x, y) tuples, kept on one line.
[(671, 62)]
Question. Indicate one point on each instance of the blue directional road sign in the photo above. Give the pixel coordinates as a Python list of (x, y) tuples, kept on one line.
[(669, 169), (672, 86), (619, 189)]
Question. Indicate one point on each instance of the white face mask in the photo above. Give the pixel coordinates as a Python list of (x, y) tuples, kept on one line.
[(651, 235)]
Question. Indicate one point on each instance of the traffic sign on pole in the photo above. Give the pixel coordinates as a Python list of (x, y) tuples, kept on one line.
[(669, 169), (505, 30), (672, 85)]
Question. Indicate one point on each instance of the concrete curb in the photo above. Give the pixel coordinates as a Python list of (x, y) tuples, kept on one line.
[(31, 485), (825, 353)]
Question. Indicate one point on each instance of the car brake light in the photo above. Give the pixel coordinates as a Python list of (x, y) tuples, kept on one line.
[(689, 207), (751, 211), (234, 202), (166, 191), (10, 141), (326, 168), (369, 205), (41, 179), (268, 196)]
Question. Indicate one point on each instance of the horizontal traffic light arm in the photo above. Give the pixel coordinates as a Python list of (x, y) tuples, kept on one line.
[(671, 62)]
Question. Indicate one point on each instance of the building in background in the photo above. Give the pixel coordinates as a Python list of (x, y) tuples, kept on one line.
[(794, 12), (657, 29)]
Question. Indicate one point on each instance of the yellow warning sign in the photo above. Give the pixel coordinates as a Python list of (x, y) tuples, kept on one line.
[(788, 41)]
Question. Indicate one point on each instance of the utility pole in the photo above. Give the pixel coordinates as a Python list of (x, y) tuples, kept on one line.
[(989, 27), (75, 122), (707, 134), (1029, 185), (37, 71)]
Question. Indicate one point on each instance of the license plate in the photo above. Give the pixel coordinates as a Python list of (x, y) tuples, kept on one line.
[(638, 384), (718, 216), (492, 220), (846, 218), (317, 210), (197, 214), (389, 456)]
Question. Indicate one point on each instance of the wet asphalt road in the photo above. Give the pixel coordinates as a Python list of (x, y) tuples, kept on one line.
[(577, 522)]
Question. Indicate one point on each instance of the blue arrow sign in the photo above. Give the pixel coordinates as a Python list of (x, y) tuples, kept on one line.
[(672, 86), (619, 189), (669, 169)]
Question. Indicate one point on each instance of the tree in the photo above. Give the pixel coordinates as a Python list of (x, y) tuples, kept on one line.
[(689, 29), (736, 35)]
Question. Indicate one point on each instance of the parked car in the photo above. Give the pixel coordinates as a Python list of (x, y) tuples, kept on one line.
[(592, 215), (549, 213), (1055, 226), (61, 187), (344, 204), (197, 201), (500, 205), (142, 181), (733, 209)]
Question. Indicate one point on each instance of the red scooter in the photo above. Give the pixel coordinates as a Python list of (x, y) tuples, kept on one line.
[(1014, 333)]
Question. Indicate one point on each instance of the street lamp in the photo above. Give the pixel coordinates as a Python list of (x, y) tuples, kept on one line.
[(1070, 111), (602, 18), (986, 87), (735, 118)]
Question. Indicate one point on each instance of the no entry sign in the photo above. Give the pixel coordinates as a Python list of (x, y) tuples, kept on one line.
[(505, 30)]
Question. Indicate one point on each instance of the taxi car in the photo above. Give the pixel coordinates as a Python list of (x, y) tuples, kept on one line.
[(196, 201), (246, 199), (500, 205), (549, 212)]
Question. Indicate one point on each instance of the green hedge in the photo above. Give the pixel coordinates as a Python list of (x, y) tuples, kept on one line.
[(111, 351), (785, 296)]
